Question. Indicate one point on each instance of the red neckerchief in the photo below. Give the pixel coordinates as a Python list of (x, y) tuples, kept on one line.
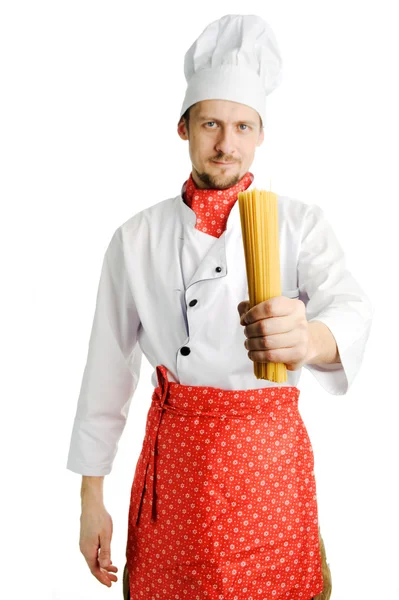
[(213, 207)]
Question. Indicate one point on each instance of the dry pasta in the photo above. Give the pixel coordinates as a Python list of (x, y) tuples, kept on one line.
[(259, 225)]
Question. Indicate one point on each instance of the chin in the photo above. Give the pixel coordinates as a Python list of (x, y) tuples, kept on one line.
[(226, 182), (217, 177)]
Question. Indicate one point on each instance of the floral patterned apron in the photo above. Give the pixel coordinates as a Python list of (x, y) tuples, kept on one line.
[(223, 503)]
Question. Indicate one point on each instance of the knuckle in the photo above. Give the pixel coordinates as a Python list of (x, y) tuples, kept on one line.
[(303, 324), (264, 343), (272, 305)]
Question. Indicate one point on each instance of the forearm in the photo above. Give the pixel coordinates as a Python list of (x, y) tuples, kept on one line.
[(322, 345), (92, 489)]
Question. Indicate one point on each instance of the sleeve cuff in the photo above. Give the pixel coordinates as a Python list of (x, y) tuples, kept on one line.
[(337, 378), (93, 447)]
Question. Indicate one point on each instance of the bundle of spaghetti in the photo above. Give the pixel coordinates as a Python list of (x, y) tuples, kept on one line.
[(259, 225)]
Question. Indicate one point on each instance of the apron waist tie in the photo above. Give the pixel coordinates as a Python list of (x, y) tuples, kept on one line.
[(149, 449)]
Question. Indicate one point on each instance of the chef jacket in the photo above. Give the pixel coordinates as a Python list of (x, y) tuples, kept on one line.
[(170, 291)]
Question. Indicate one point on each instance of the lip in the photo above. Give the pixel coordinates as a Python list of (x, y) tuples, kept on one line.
[(222, 163)]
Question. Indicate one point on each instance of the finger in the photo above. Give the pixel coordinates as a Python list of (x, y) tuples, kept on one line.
[(113, 568), (271, 326), (271, 342), (102, 577), (109, 575), (105, 553), (282, 355), (278, 306), (100, 574), (105, 575)]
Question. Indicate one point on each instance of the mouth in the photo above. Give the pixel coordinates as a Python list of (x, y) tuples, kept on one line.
[(225, 164)]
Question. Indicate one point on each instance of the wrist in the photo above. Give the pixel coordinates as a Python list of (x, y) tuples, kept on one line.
[(312, 351), (92, 489), (322, 346)]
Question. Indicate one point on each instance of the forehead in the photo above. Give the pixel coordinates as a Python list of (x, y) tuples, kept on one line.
[(224, 110)]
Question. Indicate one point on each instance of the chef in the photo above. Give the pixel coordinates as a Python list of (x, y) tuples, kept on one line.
[(223, 501)]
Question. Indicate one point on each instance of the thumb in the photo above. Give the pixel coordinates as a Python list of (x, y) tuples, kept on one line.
[(243, 308), (105, 554)]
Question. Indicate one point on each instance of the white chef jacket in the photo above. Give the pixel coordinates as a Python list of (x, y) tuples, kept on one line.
[(156, 263)]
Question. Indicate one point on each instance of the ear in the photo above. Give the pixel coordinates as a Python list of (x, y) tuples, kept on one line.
[(182, 130)]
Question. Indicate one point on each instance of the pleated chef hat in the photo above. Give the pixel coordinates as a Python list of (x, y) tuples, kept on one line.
[(235, 58)]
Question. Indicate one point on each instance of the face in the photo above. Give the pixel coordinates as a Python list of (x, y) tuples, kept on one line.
[(221, 131)]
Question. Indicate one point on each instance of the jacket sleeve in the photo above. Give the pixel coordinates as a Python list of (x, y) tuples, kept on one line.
[(332, 296), (112, 369)]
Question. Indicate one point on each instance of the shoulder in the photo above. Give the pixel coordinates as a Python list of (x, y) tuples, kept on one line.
[(150, 217), (149, 214), (291, 205), (295, 212), (305, 221)]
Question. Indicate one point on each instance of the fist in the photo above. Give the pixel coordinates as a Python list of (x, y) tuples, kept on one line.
[(276, 330)]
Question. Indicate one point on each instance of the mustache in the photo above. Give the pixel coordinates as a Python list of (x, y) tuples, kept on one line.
[(221, 159)]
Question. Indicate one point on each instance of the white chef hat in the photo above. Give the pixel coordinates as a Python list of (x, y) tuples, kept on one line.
[(235, 58)]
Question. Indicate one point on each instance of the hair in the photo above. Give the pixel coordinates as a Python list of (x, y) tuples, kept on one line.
[(186, 117)]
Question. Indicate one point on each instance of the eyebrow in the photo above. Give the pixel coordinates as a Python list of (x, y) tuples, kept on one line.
[(206, 118)]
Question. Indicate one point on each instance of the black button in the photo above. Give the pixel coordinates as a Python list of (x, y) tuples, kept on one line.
[(218, 269), (185, 350), (193, 302)]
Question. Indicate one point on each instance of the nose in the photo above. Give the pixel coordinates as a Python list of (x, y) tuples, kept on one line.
[(225, 144)]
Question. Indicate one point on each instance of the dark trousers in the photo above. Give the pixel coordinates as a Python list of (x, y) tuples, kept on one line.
[(324, 595)]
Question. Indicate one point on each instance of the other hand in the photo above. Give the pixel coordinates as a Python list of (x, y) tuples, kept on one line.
[(95, 535)]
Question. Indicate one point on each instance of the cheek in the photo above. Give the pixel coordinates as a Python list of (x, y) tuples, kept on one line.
[(249, 150), (248, 157), (200, 149)]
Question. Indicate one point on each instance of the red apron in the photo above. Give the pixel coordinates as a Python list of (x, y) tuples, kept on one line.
[(223, 502)]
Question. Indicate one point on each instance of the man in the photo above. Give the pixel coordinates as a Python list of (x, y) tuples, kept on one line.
[(223, 500)]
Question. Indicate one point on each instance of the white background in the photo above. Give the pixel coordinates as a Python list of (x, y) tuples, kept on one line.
[(90, 99)]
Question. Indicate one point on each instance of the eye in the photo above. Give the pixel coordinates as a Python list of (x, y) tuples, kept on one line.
[(245, 125), (207, 123)]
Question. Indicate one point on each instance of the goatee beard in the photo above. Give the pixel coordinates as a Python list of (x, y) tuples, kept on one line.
[(211, 182)]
